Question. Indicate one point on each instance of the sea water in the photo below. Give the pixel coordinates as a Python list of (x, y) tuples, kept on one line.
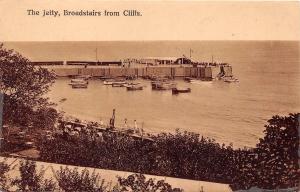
[(268, 71)]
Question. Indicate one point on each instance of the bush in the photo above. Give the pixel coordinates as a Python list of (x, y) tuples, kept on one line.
[(4, 179), (31, 180), (138, 183), (182, 155), (71, 180)]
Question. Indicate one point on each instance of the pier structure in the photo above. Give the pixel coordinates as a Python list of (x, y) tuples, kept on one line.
[(201, 72)]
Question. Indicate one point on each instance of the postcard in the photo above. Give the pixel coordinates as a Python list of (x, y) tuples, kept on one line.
[(149, 96)]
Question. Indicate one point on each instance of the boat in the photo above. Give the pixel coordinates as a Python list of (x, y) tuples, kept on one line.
[(163, 85), (134, 88), (103, 78), (198, 81), (119, 83), (188, 79), (130, 84), (108, 82), (79, 80), (176, 90), (79, 85), (62, 100), (231, 80)]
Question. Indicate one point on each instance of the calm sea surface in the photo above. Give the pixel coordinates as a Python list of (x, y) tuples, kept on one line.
[(269, 74)]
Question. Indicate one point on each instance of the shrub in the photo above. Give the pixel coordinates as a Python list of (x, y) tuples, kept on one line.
[(4, 179), (139, 183), (31, 180), (71, 180)]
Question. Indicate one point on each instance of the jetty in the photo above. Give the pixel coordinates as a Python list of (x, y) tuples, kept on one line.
[(205, 72)]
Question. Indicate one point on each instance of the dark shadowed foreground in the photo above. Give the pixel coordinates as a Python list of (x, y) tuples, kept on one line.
[(272, 164)]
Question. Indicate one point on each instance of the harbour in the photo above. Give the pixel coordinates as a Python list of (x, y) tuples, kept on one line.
[(228, 112)]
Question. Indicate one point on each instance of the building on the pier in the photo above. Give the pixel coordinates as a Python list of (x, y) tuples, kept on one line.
[(166, 61), (158, 60), (183, 60)]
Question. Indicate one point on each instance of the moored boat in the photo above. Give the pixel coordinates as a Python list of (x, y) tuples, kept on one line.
[(79, 85), (161, 85), (119, 83), (199, 81), (231, 80), (134, 88), (188, 79), (108, 82), (103, 78), (79, 80), (176, 90)]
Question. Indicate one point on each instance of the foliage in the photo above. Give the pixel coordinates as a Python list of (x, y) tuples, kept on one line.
[(45, 118), (71, 180), (23, 86), (182, 155), (274, 163), (187, 155), (4, 180), (31, 180), (139, 183)]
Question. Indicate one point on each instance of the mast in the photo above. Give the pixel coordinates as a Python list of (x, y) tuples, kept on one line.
[(191, 51), (97, 55)]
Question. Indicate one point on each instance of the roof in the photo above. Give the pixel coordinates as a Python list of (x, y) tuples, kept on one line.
[(161, 58)]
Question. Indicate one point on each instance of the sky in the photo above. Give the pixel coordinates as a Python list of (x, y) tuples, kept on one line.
[(160, 20)]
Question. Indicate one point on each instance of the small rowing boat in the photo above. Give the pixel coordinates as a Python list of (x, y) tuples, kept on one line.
[(75, 81), (79, 85), (134, 88), (119, 83), (231, 80), (176, 90), (108, 82), (163, 85)]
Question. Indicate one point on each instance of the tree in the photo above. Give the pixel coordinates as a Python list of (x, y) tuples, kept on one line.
[(274, 162), (24, 86), (278, 153)]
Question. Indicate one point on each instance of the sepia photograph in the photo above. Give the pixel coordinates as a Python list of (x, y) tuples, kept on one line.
[(125, 96)]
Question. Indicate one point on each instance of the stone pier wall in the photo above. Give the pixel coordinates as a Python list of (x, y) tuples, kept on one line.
[(196, 72)]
